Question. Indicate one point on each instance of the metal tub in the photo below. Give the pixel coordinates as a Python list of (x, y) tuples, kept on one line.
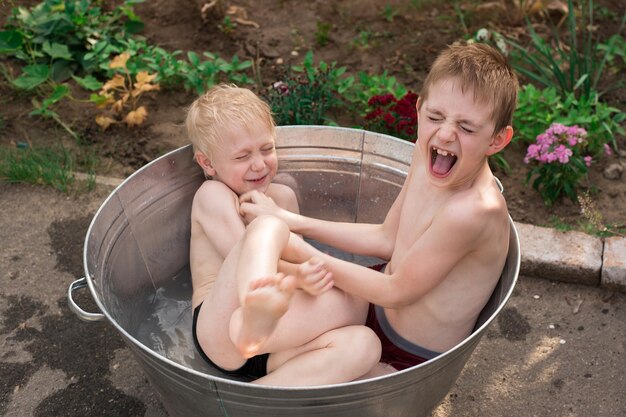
[(136, 268)]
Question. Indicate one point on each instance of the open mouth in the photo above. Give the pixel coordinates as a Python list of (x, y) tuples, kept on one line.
[(441, 161), (258, 180)]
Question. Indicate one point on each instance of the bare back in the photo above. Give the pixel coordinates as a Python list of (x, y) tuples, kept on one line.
[(452, 246), (216, 227)]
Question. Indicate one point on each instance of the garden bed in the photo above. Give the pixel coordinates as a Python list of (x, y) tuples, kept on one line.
[(400, 37)]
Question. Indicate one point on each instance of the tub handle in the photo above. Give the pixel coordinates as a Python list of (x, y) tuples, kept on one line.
[(82, 314)]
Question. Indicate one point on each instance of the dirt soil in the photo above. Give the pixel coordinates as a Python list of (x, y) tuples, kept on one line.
[(275, 31)]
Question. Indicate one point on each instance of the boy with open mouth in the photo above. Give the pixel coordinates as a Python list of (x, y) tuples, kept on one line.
[(446, 235)]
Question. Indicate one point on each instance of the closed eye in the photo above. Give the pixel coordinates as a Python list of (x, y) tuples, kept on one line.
[(467, 130)]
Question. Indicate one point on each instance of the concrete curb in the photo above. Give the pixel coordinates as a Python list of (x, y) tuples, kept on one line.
[(573, 257)]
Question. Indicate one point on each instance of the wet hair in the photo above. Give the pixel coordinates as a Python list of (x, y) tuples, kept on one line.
[(482, 69), (224, 107)]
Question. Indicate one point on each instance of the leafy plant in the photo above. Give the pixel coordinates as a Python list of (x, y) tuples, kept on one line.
[(63, 36), (44, 108), (389, 13), (366, 86), (227, 26), (322, 33), (560, 159), (538, 109), (199, 75), (308, 93), (363, 39), (392, 116), (568, 65), (121, 94), (615, 47)]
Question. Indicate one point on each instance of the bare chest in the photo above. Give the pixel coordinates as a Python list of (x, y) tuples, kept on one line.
[(416, 216)]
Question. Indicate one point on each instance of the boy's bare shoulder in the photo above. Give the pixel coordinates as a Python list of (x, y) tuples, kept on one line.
[(471, 211), (213, 195)]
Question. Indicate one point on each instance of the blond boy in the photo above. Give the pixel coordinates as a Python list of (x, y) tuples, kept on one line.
[(446, 235), (254, 315)]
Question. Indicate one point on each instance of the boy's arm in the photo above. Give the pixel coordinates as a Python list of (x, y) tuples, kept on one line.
[(361, 238), (215, 209), (451, 237)]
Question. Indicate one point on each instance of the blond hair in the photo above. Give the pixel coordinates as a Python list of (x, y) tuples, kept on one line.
[(483, 70), (221, 108)]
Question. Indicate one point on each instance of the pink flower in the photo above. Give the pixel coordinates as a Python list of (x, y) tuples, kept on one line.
[(588, 160), (562, 153), (532, 152), (607, 150)]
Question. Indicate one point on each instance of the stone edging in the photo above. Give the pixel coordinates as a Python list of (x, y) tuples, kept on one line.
[(573, 257)]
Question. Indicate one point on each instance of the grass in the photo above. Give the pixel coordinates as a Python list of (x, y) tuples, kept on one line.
[(51, 166)]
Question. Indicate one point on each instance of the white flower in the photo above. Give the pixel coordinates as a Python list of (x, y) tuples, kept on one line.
[(482, 35)]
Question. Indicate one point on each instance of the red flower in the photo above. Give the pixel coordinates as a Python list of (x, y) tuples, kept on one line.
[(389, 119)]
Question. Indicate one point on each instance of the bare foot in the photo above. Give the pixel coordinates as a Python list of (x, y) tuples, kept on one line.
[(265, 303)]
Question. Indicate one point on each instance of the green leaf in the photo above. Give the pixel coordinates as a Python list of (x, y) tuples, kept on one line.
[(134, 26), (32, 76), (10, 40), (193, 58), (58, 93), (57, 50), (61, 70), (88, 83), (97, 99)]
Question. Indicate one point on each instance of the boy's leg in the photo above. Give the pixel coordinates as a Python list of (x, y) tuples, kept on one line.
[(264, 294), (307, 316), (337, 356)]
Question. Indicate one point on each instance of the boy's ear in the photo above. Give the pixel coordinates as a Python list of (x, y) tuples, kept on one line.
[(205, 163), (500, 140)]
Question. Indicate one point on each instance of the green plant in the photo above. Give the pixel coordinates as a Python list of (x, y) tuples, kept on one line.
[(44, 108), (227, 26), (363, 39), (63, 36), (308, 93), (538, 109), (322, 33), (568, 65), (389, 13), (200, 74), (461, 14), (615, 47), (366, 86), (46, 166), (150, 58), (560, 159)]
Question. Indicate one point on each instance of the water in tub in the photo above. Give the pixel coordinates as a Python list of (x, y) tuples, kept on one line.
[(167, 328)]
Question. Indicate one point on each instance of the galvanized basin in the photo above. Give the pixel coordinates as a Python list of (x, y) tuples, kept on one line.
[(136, 268)]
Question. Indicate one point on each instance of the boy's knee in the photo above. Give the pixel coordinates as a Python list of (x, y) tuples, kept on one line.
[(365, 344), (266, 221)]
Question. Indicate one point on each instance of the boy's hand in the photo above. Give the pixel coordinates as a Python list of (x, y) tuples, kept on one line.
[(313, 277), (253, 204)]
